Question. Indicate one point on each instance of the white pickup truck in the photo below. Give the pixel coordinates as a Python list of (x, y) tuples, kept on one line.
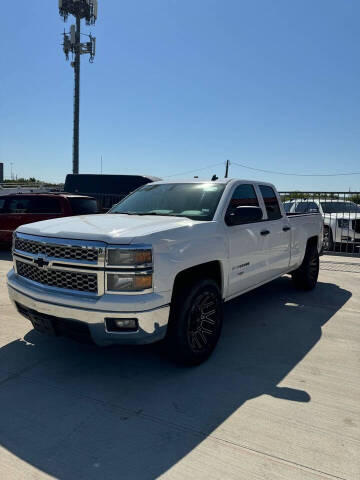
[(161, 263)]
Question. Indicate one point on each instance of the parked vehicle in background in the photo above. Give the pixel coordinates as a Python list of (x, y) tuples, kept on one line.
[(160, 264), (10, 189), (20, 209), (341, 219), (107, 189)]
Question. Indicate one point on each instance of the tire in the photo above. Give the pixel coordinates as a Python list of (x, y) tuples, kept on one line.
[(195, 322), (328, 240), (306, 276)]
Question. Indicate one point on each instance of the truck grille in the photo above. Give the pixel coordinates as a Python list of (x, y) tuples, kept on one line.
[(356, 226), (81, 282), (89, 254)]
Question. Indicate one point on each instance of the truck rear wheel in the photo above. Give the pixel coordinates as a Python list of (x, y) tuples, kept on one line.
[(306, 276), (195, 322)]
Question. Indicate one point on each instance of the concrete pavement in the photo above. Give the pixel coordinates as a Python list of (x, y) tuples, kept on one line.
[(279, 399)]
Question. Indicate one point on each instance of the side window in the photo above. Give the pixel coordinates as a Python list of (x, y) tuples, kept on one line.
[(271, 202), (2, 205), (243, 196), (302, 207), (45, 205), (313, 208), (288, 206), (306, 207), (19, 205)]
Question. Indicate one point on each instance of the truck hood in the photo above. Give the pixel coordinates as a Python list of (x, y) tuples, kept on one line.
[(108, 228)]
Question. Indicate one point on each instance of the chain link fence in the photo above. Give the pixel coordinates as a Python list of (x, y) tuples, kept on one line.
[(341, 215)]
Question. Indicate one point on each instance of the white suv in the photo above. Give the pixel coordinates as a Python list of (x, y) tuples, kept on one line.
[(341, 219)]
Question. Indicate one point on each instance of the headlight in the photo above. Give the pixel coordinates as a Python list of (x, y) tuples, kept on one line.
[(343, 223), (121, 257), (132, 282), (129, 269)]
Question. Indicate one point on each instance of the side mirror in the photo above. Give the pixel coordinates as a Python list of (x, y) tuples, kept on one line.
[(243, 215)]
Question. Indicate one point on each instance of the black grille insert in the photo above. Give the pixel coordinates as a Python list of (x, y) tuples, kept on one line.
[(68, 280), (68, 252)]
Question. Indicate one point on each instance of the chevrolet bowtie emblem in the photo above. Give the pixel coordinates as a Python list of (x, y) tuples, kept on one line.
[(41, 262)]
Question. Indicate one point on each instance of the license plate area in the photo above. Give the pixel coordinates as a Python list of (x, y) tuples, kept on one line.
[(61, 327), (42, 324)]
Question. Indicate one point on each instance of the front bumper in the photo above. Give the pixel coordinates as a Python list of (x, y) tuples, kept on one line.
[(152, 322)]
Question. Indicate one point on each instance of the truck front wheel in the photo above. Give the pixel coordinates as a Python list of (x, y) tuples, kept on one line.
[(306, 276), (195, 321)]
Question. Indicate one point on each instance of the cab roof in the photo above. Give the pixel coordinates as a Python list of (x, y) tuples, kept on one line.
[(221, 181)]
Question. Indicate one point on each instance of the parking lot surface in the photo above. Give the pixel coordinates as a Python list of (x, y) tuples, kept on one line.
[(279, 399)]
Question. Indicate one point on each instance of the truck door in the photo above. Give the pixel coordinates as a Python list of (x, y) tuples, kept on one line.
[(247, 260), (277, 232)]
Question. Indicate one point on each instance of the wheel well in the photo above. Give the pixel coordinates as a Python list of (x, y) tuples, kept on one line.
[(209, 269), (313, 241)]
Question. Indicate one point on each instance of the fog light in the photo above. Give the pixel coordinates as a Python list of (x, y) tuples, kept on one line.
[(121, 324)]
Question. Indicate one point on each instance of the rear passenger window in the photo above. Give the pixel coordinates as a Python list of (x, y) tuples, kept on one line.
[(307, 207), (19, 205), (271, 202), (83, 206), (46, 205), (302, 207), (243, 196)]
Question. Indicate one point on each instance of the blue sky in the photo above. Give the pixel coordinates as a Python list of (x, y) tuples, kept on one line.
[(182, 84)]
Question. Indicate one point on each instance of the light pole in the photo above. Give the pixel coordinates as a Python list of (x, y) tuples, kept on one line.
[(86, 9)]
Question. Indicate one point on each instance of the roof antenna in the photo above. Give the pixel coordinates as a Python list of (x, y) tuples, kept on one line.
[(214, 178)]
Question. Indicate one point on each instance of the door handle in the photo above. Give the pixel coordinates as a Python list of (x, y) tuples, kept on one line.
[(265, 232), (286, 229)]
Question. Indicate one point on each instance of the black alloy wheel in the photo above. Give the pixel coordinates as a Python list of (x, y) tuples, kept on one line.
[(195, 321), (203, 320)]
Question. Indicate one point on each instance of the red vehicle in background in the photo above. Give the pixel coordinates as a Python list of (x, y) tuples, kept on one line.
[(19, 209)]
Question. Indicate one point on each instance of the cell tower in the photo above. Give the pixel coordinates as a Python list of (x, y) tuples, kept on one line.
[(80, 9)]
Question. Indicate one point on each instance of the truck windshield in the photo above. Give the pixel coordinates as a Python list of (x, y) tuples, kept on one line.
[(197, 201), (340, 207)]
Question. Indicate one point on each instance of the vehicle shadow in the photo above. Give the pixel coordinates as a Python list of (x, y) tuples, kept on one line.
[(78, 411)]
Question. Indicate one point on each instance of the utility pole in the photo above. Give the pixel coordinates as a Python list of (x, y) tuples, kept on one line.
[(86, 9), (76, 127), (227, 168)]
